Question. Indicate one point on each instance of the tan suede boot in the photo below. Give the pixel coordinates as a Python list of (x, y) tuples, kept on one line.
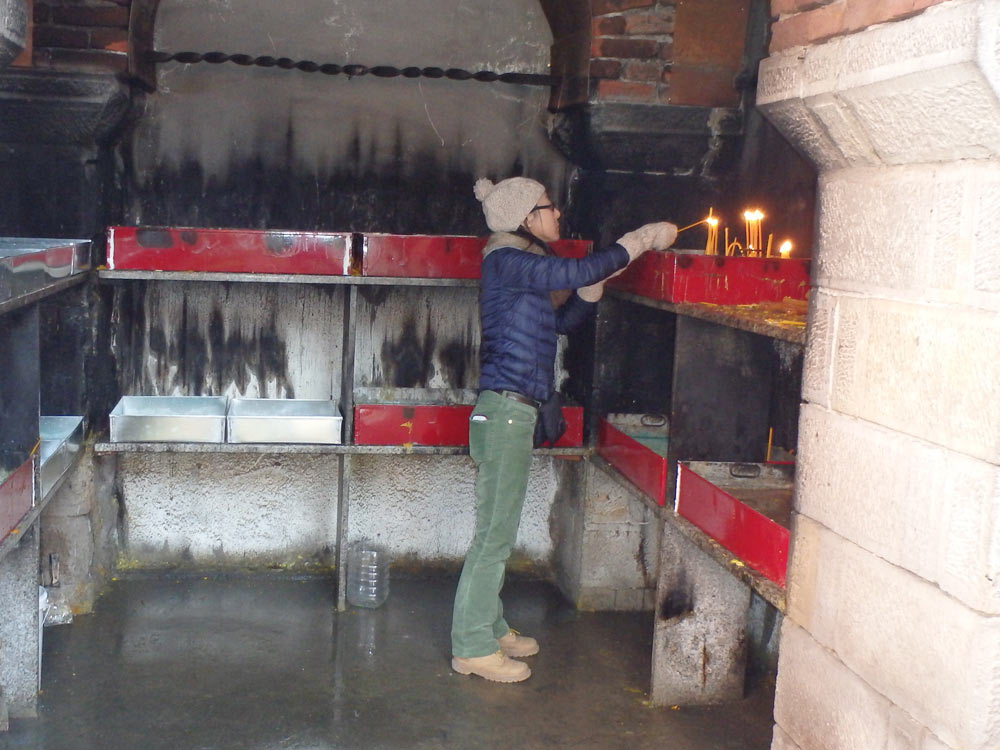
[(515, 644), (495, 667)]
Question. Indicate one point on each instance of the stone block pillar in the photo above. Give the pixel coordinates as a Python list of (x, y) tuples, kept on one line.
[(891, 635), (13, 29), (700, 633), (19, 630)]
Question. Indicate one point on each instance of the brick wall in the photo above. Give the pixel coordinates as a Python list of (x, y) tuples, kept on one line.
[(74, 35), (667, 51), (801, 22)]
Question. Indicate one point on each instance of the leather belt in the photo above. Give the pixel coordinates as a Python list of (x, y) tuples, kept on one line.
[(515, 396)]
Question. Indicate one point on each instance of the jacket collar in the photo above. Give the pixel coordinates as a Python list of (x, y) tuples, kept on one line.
[(509, 239)]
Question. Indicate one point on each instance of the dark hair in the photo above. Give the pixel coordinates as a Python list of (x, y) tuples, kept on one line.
[(521, 231)]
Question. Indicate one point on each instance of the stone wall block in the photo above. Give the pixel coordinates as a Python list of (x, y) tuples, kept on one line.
[(13, 29), (845, 129), (965, 123), (915, 504), (883, 91), (781, 741), (923, 232), (986, 219), (921, 346), (816, 365), (870, 224), (800, 126), (820, 704), (883, 616)]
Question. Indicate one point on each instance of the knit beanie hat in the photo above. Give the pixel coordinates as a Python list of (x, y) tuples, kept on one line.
[(508, 202)]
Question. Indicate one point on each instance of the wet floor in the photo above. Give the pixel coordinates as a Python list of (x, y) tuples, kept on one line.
[(266, 663)]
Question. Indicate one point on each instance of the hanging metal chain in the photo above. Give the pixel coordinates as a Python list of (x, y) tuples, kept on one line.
[(332, 69)]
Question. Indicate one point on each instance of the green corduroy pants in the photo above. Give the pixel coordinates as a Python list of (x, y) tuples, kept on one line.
[(500, 442)]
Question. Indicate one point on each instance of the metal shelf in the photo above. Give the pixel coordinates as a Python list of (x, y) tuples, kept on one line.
[(280, 278), (767, 589), (41, 293), (776, 320), (105, 448)]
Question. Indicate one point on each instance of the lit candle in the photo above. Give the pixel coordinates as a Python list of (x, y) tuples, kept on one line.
[(712, 243), (748, 220), (785, 249)]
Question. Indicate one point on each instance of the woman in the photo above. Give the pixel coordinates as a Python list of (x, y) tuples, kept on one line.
[(519, 334)]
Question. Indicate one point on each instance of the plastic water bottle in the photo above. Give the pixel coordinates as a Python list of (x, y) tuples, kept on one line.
[(367, 573)]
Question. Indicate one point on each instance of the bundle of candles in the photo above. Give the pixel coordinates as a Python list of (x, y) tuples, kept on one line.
[(754, 247)]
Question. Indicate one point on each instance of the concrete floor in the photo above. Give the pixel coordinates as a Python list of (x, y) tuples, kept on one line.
[(266, 662)]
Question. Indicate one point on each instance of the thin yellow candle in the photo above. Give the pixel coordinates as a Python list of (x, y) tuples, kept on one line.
[(769, 238), (748, 221)]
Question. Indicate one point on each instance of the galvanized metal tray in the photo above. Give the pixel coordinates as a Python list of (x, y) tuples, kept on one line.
[(185, 419), (30, 263), (61, 441), (265, 420)]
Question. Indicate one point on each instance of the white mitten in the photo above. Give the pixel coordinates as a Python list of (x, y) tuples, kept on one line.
[(659, 235)]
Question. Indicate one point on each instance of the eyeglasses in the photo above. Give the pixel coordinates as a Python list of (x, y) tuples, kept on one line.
[(547, 205)]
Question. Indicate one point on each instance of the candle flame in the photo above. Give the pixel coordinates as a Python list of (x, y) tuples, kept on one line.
[(712, 220), (786, 248)]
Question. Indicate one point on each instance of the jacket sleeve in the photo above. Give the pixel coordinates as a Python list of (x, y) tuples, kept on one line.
[(517, 269), (573, 312)]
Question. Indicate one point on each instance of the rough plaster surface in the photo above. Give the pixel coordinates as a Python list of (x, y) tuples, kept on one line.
[(925, 651), (19, 630), (286, 338), (233, 510), (424, 506), (699, 633), (868, 98), (325, 124), (915, 504), (228, 509)]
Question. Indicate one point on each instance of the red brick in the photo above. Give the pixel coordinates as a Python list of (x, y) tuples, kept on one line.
[(667, 51), (603, 7), (643, 71), (109, 38), (786, 7), (624, 91), (609, 26), (41, 13), (652, 23), (702, 87), (711, 33), (808, 28), (624, 48), (605, 68), (89, 15), (61, 36)]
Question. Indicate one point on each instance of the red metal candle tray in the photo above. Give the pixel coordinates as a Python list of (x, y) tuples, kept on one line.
[(17, 496), (720, 280), (228, 251), (423, 256), (644, 467), (336, 254), (431, 424), (744, 507)]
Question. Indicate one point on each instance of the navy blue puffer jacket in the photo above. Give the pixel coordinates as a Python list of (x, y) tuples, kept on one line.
[(519, 324)]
